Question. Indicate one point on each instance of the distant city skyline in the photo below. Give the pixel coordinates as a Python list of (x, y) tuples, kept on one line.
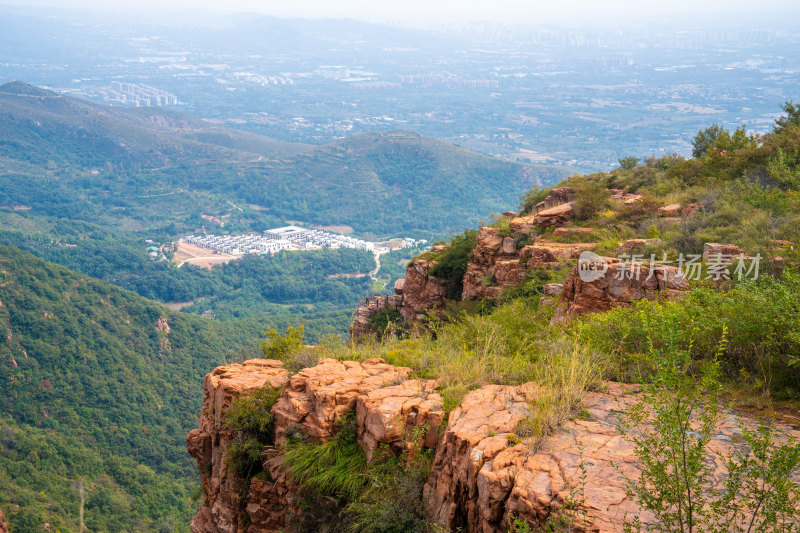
[(444, 12)]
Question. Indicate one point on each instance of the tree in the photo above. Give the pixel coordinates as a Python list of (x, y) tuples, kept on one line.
[(715, 137), (628, 163), (792, 117)]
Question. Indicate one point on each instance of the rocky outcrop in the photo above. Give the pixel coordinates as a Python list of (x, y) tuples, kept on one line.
[(554, 216), (315, 398), (391, 415), (714, 250), (477, 430), (624, 196), (422, 292), (371, 307), (603, 283), (690, 210), (497, 264), (3, 527), (210, 442), (390, 410), (484, 475)]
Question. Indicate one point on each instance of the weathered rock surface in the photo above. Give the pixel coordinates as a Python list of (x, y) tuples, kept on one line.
[(390, 415), (617, 283), (483, 476), (714, 250), (421, 291), (477, 430), (573, 232), (554, 216), (371, 307), (314, 398), (624, 196), (3, 527), (671, 210), (209, 443)]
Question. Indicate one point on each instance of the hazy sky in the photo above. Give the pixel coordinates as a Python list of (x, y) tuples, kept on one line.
[(433, 11)]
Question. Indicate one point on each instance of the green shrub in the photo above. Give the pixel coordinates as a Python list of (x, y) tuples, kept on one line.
[(451, 263), (341, 491), (277, 346), (387, 323), (250, 417)]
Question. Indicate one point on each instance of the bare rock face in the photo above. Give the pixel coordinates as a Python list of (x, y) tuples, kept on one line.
[(671, 210), (573, 232), (316, 397), (557, 196), (477, 430), (421, 291), (390, 415), (631, 245), (371, 307), (554, 216), (617, 283), (714, 250), (209, 443)]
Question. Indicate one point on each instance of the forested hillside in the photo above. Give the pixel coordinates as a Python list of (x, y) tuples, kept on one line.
[(99, 388)]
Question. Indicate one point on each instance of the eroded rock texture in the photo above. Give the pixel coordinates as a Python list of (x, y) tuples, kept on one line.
[(617, 283), (209, 443), (422, 292)]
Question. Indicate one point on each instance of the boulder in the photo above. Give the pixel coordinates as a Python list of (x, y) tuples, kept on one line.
[(398, 286), (624, 196), (557, 196), (210, 442), (390, 415), (3, 527), (714, 250), (632, 245), (316, 397), (522, 225), (573, 232), (554, 216), (671, 210), (690, 209)]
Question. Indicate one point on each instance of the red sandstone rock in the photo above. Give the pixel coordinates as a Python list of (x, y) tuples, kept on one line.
[(671, 210), (554, 216), (477, 430), (316, 397), (209, 443), (3, 527), (421, 291), (389, 415), (557, 196), (373, 305), (570, 232), (617, 283), (626, 247), (713, 250)]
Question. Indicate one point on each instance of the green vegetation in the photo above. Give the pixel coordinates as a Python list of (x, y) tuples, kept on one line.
[(671, 429), (250, 417), (451, 262), (100, 388), (341, 491)]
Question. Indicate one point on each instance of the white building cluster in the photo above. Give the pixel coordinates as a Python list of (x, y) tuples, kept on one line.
[(274, 240), (239, 244), (138, 95)]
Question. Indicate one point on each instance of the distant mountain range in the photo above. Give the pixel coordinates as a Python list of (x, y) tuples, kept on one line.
[(57, 151)]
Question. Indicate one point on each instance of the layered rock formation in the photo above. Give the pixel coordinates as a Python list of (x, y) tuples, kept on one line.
[(607, 282), (371, 307), (389, 409), (483, 474), (209, 443), (497, 264), (422, 292)]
